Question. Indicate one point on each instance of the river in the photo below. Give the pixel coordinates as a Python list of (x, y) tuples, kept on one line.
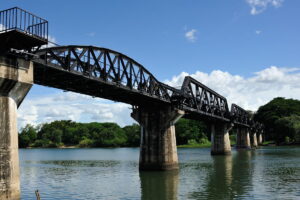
[(80, 174)]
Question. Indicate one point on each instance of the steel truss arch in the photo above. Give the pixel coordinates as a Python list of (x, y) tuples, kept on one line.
[(105, 65), (203, 100), (240, 116), (105, 73)]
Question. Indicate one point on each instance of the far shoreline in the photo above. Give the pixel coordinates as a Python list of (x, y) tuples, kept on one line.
[(178, 146)]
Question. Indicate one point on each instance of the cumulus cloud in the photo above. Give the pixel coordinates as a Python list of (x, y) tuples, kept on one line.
[(191, 35), (72, 106), (251, 92), (51, 42), (257, 32), (91, 34), (258, 6), (2, 27)]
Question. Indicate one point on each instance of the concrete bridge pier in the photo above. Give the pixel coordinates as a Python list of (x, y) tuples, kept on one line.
[(243, 138), (260, 139), (16, 79), (254, 140), (158, 149), (220, 142)]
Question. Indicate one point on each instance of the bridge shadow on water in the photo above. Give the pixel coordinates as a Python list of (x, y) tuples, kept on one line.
[(227, 177), (159, 185)]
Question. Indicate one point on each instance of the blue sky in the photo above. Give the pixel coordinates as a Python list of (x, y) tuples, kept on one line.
[(236, 40)]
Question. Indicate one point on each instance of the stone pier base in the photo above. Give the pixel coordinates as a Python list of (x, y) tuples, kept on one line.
[(16, 79), (254, 140), (243, 138), (158, 150), (260, 140), (220, 142)]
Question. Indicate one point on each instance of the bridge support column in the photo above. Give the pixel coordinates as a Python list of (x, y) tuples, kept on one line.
[(220, 142), (254, 140), (16, 79), (158, 149), (243, 138)]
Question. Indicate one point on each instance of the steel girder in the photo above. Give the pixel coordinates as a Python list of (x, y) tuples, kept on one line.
[(198, 98), (240, 116), (256, 127), (105, 66), (105, 73)]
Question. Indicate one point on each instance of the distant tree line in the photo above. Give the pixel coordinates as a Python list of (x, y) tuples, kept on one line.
[(281, 118), (69, 133)]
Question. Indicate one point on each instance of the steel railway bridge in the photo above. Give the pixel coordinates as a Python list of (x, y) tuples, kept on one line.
[(104, 73)]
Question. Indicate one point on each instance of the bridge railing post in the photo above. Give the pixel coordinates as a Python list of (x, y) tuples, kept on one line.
[(16, 79), (158, 150)]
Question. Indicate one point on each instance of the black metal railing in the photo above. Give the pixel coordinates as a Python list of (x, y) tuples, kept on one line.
[(23, 21)]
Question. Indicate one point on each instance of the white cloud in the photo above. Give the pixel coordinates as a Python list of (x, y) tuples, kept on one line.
[(257, 32), (252, 92), (258, 6), (191, 35), (51, 42), (91, 34), (72, 106), (2, 27)]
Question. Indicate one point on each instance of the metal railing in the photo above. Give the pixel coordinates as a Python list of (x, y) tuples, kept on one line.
[(23, 21)]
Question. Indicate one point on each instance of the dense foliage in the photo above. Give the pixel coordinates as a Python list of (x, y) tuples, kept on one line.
[(69, 133), (191, 131), (60, 133), (281, 118)]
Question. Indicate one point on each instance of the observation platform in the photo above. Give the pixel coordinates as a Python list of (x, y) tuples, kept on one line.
[(22, 30)]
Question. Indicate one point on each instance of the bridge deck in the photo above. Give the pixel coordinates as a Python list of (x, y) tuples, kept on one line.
[(108, 74), (76, 82)]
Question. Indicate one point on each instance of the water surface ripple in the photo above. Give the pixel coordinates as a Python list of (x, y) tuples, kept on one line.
[(80, 174)]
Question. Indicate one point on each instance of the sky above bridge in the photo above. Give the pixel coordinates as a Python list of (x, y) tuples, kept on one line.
[(246, 50)]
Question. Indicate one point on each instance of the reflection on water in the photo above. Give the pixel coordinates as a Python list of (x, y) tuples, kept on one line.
[(266, 173), (77, 163), (159, 185), (228, 178)]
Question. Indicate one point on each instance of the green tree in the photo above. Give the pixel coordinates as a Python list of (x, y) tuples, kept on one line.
[(280, 118), (27, 136), (51, 132), (190, 130), (133, 133), (110, 135)]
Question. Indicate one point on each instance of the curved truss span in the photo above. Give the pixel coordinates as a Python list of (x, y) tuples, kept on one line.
[(240, 116), (79, 68), (105, 73), (202, 100)]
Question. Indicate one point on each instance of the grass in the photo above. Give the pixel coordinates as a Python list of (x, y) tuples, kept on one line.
[(268, 142), (195, 145), (205, 143)]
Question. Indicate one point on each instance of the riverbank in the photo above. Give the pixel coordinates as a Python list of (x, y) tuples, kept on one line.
[(272, 143), (192, 145), (196, 145), (78, 147)]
